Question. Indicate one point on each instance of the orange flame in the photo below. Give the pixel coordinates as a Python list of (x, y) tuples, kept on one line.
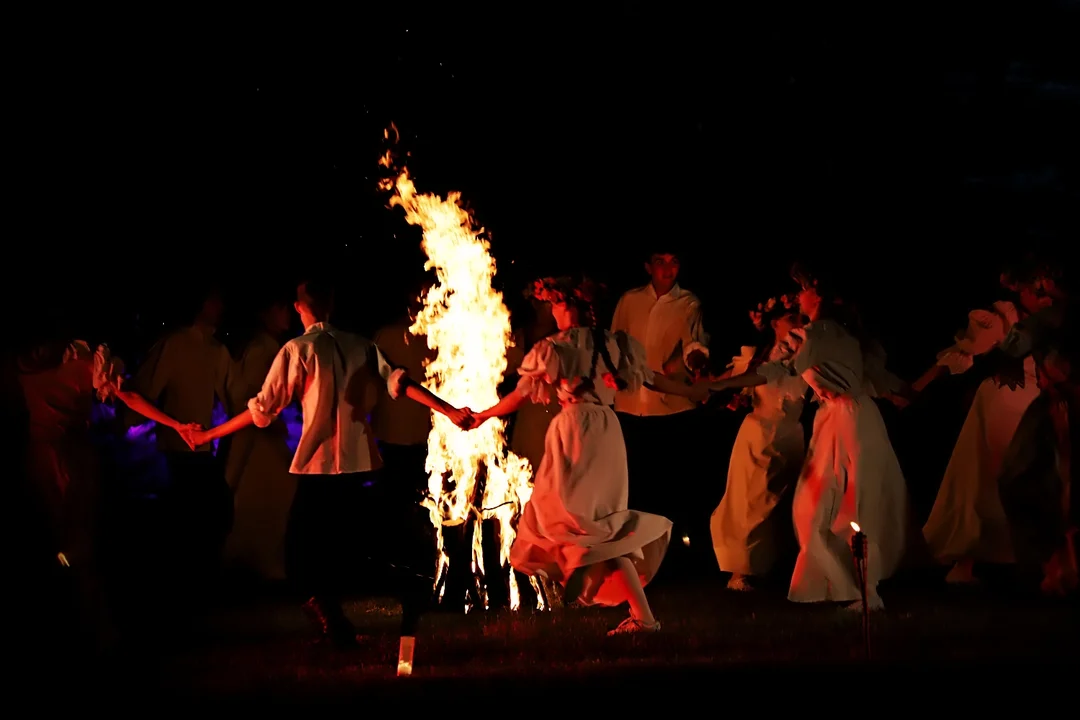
[(467, 323)]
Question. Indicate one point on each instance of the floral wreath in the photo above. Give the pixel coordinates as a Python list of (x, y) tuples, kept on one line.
[(769, 307), (564, 289), (1043, 283)]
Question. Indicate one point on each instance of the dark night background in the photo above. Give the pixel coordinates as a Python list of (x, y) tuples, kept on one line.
[(915, 149)]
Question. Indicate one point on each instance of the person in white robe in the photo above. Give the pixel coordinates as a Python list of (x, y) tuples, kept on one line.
[(576, 528), (967, 523), (749, 526), (257, 462), (851, 473)]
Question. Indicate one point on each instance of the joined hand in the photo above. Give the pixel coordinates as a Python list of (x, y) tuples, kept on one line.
[(192, 434)]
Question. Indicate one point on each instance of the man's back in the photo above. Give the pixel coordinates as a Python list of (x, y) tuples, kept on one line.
[(338, 376)]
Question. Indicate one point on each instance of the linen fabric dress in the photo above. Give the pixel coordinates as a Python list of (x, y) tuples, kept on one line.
[(257, 470), (851, 473), (577, 516), (750, 523), (967, 520)]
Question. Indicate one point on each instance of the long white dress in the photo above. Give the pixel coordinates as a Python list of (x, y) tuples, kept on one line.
[(257, 470), (851, 473), (968, 521), (765, 463), (577, 516)]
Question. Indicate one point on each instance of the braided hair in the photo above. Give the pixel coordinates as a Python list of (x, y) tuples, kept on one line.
[(581, 293)]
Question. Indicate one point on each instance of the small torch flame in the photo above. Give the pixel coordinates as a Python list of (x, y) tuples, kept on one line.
[(855, 527)]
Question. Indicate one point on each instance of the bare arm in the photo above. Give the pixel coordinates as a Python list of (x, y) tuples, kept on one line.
[(509, 404), (144, 407), (234, 424), (425, 397), (928, 377), (747, 379), (663, 384)]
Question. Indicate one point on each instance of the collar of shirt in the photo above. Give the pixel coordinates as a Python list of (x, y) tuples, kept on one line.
[(675, 293), (317, 327)]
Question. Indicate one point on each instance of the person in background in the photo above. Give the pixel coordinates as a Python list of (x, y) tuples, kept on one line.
[(667, 320), (257, 462), (185, 373), (402, 428), (334, 528)]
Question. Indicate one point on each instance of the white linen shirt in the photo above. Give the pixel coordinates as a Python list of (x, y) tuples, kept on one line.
[(670, 328), (337, 376)]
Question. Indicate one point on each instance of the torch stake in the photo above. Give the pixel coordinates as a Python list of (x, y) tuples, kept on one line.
[(858, 551)]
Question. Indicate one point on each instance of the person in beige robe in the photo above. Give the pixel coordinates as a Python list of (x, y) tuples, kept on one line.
[(257, 462)]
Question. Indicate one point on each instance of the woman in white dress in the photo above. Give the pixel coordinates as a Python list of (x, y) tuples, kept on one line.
[(257, 462), (576, 528), (750, 525), (851, 473), (967, 523)]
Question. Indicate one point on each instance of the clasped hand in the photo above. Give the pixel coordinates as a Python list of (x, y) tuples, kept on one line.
[(192, 434)]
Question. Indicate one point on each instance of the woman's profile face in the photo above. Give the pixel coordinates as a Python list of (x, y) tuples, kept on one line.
[(564, 315), (785, 324), (809, 301)]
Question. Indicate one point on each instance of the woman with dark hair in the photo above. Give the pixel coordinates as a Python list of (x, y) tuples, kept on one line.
[(967, 523), (851, 474), (766, 458), (576, 529)]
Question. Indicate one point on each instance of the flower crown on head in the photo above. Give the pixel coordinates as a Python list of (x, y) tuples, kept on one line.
[(564, 289), (1043, 282), (772, 306)]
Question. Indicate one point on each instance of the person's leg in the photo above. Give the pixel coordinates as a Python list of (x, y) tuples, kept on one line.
[(313, 550), (626, 579)]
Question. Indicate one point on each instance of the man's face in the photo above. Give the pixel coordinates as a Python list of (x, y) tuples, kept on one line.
[(664, 270)]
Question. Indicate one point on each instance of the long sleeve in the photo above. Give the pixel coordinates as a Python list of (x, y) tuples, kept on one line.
[(278, 389), (695, 339), (985, 329), (153, 376), (393, 377), (619, 321)]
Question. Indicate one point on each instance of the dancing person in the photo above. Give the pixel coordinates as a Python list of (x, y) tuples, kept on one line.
[(333, 527), (186, 372), (748, 527), (967, 523), (666, 320), (257, 462), (576, 528), (532, 419), (1037, 483), (402, 428), (851, 473), (59, 382)]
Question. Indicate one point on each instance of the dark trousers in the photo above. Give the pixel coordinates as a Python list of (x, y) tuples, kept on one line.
[(673, 474), (199, 510), (344, 537)]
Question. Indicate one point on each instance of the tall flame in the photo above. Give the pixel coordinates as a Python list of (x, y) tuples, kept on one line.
[(466, 321)]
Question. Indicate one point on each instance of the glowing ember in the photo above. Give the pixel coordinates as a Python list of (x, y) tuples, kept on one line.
[(465, 320)]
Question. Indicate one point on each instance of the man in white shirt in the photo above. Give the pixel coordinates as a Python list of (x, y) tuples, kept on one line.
[(667, 320), (333, 525)]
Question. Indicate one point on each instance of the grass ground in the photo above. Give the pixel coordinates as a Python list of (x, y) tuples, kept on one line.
[(711, 639)]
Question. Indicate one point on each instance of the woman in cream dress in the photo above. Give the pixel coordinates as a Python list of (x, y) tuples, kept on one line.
[(967, 523), (750, 524), (257, 463), (576, 528), (532, 419), (851, 473)]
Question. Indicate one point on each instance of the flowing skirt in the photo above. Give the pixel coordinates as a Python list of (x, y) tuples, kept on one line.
[(851, 474), (577, 516), (968, 520), (749, 526)]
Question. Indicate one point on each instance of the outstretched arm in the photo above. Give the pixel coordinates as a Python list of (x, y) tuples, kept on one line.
[(425, 397), (144, 407), (747, 379), (234, 424), (662, 383), (509, 404)]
